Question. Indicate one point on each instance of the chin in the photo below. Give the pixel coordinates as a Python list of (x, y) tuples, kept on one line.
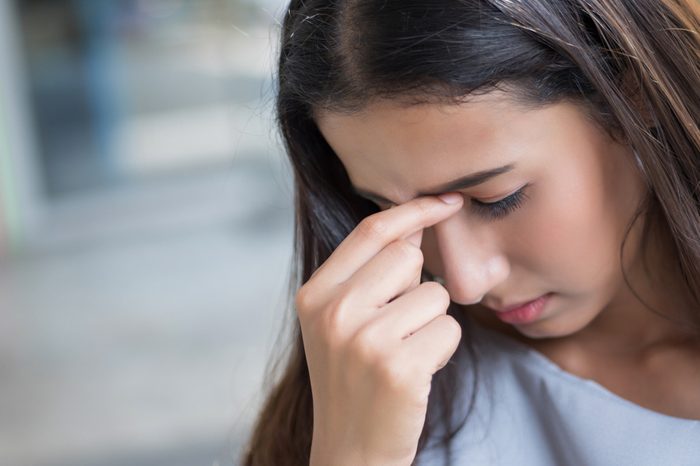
[(557, 326), (536, 331)]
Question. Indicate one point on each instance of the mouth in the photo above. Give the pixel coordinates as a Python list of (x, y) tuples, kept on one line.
[(522, 312)]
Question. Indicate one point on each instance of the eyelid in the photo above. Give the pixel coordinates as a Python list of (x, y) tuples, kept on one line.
[(496, 199), (482, 201), (502, 208)]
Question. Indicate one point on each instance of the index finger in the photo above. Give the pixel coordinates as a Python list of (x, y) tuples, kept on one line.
[(376, 231)]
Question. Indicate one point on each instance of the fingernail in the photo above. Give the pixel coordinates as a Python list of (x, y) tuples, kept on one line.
[(450, 198)]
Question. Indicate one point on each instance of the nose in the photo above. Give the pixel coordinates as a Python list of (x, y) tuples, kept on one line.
[(470, 260)]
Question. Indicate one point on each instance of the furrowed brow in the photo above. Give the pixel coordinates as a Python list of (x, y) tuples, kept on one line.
[(463, 182)]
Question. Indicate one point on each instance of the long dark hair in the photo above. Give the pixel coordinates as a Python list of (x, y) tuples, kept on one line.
[(634, 66)]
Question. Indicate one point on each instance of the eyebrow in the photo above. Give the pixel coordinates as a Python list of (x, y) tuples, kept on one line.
[(463, 182)]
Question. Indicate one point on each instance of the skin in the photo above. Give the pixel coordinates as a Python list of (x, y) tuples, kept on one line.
[(373, 338), (582, 188)]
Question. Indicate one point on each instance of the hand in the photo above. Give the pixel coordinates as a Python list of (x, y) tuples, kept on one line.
[(374, 336)]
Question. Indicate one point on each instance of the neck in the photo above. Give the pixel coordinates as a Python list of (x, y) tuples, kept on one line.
[(654, 310)]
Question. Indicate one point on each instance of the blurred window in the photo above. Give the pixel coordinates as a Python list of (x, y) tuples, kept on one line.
[(129, 89)]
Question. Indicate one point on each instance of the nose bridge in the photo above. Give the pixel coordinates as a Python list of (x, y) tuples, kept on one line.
[(472, 263)]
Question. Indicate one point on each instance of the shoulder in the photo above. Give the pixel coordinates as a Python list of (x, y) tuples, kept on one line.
[(528, 411)]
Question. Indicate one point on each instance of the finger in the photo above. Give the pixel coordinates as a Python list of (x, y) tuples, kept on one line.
[(433, 344), (412, 311), (376, 231), (413, 285), (416, 239), (384, 277)]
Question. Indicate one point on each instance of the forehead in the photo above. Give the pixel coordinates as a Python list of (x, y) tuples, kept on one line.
[(390, 146), (384, 121)]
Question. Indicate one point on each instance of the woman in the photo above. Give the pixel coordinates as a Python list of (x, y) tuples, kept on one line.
[(498, 234)]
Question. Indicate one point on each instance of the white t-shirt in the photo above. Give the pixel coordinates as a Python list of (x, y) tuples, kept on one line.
[(530, 412)]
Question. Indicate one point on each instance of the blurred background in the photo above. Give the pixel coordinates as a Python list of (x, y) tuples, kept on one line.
[(145, 229)]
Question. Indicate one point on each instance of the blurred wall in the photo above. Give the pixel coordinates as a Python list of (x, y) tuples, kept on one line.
[(145, 229)]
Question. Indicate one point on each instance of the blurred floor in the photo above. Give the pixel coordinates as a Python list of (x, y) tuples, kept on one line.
[(144, 343)]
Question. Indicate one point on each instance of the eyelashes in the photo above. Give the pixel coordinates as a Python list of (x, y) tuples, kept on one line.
[(494, 210), (499, 209)]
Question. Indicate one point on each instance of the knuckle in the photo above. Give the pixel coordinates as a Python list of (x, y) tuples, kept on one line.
[(302, 300), (408, 252), (438, 292), (442, 295), (367, 347), (426, 206), (452, 326), (373, 227), (335, 317)]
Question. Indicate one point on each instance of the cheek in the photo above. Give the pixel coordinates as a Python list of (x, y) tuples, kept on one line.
[(568, 237), (548, 240)]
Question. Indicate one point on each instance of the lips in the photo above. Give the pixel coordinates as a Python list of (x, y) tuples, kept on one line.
[(514, 306), (526, 313)]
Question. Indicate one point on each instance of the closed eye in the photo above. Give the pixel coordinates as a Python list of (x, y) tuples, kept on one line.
[(492, 210), (501, 208)]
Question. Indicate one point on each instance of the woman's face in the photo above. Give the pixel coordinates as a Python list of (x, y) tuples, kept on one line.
[(569, 190)]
